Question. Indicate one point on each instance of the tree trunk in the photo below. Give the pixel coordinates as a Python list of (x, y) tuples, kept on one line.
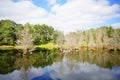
[(115, 49), (25, 53), (97, 47)]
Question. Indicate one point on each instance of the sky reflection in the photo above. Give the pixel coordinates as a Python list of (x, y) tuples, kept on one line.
[(65, 70)]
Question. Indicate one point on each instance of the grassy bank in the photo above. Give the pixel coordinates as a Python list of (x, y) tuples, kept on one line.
[(51, 46), (4, 47), (46, 46)]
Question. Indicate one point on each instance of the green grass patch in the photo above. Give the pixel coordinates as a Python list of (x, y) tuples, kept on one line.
[(7, 47), (47, 46)]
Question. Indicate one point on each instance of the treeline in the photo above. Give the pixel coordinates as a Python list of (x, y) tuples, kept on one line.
[(41, 34), (104, 37), (99, 38)]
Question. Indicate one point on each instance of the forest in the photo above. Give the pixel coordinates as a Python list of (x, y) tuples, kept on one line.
[(104, 37), (41, 34)]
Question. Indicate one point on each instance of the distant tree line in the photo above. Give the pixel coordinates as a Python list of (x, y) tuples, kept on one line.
[(100, 38), (41, 34), (104, 37)]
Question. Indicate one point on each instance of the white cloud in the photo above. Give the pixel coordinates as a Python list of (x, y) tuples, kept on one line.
[(81, 71), (21, 11), (51, 2), (73, 15), (116, 25), (78, 13)]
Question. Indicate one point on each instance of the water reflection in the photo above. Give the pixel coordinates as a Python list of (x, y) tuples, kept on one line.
[(73, 70), (50, 65), (102, 58), (7, 59), (65, 70), (22, 74), (12, 59)]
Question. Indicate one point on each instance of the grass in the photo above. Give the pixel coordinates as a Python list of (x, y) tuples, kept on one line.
[(7, 47), (46, 46)]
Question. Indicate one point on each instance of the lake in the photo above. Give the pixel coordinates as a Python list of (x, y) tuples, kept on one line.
[(55, 65)]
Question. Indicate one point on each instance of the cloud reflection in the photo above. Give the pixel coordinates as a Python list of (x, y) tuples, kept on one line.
[(65, 70)]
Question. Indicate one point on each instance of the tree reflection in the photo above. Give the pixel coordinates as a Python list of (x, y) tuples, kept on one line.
[(66, 66), (11, 60), (104, 58), (7, 59)]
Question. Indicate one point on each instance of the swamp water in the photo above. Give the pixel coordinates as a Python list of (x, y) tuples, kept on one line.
[(54, 65)]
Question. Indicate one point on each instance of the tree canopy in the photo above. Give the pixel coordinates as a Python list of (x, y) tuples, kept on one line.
[(102, 37), (41, 34)]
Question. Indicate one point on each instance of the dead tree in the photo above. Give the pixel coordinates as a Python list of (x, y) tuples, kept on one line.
[(25, 42)]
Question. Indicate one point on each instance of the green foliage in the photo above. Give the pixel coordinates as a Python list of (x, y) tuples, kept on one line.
[(43, 34), (110, 31), (103, 37), (7, 32), (11, 31)]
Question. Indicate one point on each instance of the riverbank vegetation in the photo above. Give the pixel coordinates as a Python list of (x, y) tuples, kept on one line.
[(44, 36), (99, 38), (45, 45), (10, 32)]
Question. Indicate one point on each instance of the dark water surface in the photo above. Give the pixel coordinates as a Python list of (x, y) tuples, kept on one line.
[(54, 65)]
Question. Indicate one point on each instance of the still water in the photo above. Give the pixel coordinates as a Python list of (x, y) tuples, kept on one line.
[(53, 65)]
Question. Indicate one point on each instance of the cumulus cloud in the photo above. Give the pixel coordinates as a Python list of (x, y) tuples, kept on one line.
[(51, 2), (116, 25), (22, 11), (73, 15)]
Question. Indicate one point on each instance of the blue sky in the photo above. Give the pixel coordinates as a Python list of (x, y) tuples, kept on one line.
[(45, 4), (64, 15), (115, 1)]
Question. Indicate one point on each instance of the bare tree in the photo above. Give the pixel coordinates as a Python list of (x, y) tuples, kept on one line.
[(25, 42), (71, 40), (60, 39), (98, 38), (115, 40), (91, 43)]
